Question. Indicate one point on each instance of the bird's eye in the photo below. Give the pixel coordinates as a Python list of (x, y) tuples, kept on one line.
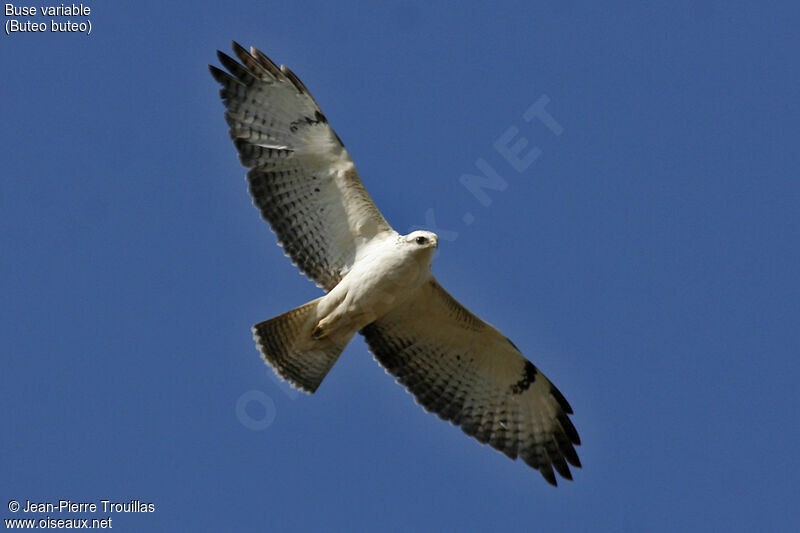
[(421, 240)]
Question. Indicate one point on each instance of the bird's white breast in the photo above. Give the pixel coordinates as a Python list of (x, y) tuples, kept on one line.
[(385, 274)]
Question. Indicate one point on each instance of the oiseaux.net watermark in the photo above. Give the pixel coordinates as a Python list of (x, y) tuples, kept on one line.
[(512, 146), (66, 514)]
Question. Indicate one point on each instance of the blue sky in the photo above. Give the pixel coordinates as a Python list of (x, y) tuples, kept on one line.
[(646, 261)]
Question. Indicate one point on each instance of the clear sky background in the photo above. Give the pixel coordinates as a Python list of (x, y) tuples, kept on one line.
[(646, 261)]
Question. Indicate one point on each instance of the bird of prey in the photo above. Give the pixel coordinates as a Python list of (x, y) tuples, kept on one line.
[(377, 282)]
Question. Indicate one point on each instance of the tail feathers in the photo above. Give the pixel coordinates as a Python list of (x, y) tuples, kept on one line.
[(287, 345)]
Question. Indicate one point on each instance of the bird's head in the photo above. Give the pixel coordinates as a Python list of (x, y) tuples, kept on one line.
[(421, 245), (422, 240), (417, 249)]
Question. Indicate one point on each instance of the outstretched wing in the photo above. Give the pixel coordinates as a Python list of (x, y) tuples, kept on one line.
[(466, 371), (301, 177)]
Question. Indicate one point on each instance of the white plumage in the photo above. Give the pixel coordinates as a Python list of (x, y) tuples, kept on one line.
[(378, 282)]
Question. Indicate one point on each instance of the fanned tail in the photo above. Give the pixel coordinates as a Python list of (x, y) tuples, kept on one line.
[(287, 345)]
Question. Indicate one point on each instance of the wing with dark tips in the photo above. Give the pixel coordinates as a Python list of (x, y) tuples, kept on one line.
[(301, 177), (467, 372)]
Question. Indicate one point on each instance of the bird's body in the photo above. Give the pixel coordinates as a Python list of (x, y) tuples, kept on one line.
[(378, 283), (385, 273)]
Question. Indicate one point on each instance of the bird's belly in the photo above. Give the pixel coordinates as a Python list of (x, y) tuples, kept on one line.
[(371, 290), (377, 291)]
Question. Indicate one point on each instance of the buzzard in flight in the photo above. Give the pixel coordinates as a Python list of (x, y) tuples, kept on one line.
[(377, 282)]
